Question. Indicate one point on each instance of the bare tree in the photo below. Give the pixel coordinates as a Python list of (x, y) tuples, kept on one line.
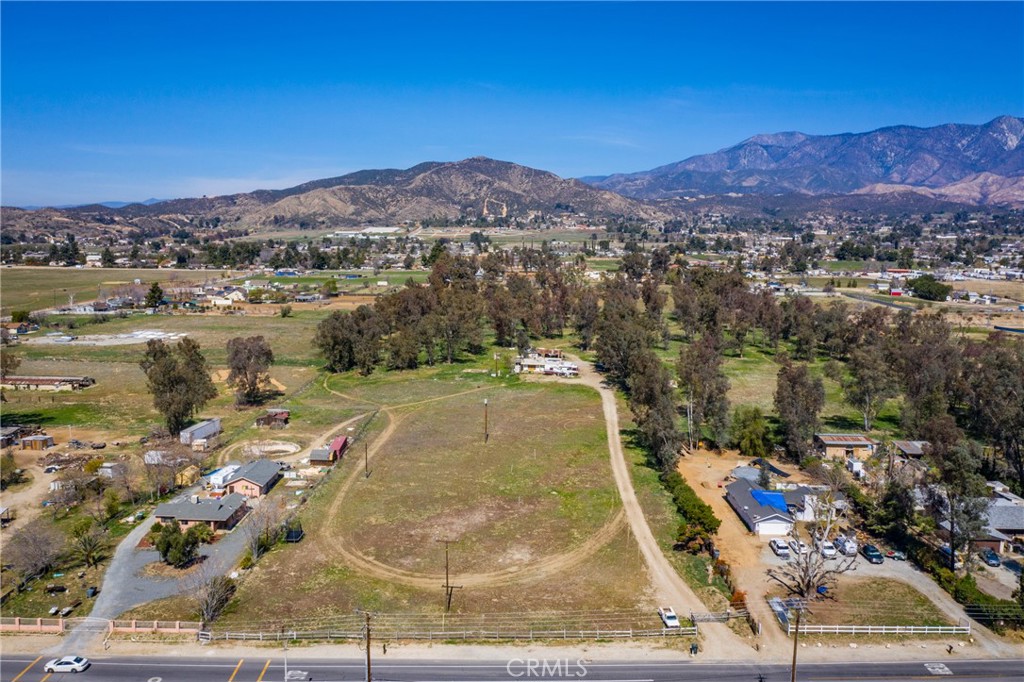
[(209, 592), (805, 573), (829, 503), (33, 548), (262, 528)]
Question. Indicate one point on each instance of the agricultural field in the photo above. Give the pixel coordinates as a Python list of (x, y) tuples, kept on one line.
[(36, 288)]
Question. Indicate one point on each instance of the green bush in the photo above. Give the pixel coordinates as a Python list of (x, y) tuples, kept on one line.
[(699, 522)]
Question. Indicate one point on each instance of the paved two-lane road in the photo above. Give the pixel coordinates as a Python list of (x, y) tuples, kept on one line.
[(270, 668)]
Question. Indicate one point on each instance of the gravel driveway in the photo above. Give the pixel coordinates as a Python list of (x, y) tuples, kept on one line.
[(124, 586)]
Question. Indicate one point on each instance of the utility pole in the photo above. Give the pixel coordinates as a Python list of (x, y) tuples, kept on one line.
[(448, 587), (369, 673), (796, 639), (486, 434)]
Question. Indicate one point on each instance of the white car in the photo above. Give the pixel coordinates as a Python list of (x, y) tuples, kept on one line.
[(780, 548), (668, 617), (799, 547), (68, 664), (827, 549)]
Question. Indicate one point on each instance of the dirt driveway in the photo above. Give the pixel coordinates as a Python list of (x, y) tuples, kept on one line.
[(749, 556), (26, 502)]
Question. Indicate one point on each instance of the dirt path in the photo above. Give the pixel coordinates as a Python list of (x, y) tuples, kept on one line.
[(670, 587), (26, 502)]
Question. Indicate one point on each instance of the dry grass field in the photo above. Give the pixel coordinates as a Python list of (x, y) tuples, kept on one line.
[(533, 511)]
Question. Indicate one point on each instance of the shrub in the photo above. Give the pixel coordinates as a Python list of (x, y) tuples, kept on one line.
[(699, 522)]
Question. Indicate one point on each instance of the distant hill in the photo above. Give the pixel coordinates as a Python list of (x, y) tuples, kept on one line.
[(472, 187), (977, 164)]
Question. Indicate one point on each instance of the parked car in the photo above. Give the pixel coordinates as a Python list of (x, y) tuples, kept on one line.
[(68, 664), (872, 554), (944, 554), (827, 549), (990, 557), (52, 469), (668, 617), (846, 546), (780, 548), (799, 546), (896, 555)]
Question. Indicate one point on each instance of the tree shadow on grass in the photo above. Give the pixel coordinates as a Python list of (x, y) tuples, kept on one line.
[(16, 418), (842, 423)]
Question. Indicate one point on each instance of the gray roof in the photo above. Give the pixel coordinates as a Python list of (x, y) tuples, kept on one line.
[(910, 447), (261, 472), (748, 473), (1006, 517), (206, 509), (320, 455), (750, 511)]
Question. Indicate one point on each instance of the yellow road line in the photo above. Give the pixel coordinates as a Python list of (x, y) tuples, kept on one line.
[(27, 668), (264, 671), (237, 667), (46, 678)]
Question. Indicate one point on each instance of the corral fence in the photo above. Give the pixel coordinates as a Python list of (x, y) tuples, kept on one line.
[(445, 635), (580, 625), (808, 629)]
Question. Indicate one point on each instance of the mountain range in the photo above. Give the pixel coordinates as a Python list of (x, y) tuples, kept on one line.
[(890, 170), (974, 164)]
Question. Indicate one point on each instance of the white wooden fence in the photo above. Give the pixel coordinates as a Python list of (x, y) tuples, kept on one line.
[(808, 629)]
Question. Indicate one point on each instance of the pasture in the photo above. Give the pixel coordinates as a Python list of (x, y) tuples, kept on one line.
[(37, 288)]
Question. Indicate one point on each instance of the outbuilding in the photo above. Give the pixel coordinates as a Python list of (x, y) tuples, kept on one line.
[(204, 430), (845, 445), (38, 442)]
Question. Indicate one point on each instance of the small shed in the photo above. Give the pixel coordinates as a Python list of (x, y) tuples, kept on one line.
[(338, 447), (321, 457), (274, 418), (112, 470), (187, 476), (39, 442), (910, 448)]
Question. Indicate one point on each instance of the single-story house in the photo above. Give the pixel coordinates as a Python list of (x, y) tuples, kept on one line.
[(763, 512), (1004, 520), (910, 448), (274, 418), (844, 445), (38, 442), (219, 514), (254, 479), (803, 502)]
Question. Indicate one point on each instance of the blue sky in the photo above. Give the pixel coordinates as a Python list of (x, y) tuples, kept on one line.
[(126, 101)]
